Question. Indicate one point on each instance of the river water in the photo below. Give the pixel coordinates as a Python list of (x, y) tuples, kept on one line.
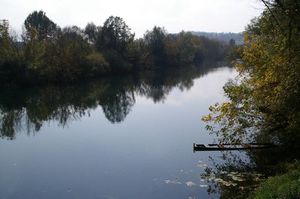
[(115, 138)]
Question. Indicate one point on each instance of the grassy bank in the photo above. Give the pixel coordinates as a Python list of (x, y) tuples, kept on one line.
[(284, 186)]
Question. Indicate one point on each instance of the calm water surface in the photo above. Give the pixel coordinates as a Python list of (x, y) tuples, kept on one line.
[(113, 139)]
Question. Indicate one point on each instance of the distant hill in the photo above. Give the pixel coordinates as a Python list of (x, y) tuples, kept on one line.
[(225, 37)]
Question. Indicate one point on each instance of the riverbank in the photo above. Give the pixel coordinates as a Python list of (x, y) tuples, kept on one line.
[(282, 186)]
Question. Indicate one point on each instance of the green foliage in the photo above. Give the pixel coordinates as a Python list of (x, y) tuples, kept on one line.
[(115, 34), (285, 186), (264, 101), (73, 50), (7, 48), (40, 31), (180, 49), (97, 63), (113, 41), (92, 32), (34, 51), (186, 48), (41, 24), (223, 37), (155, 42), (49, 53), (11, 62), (183, 48), (117, 63)]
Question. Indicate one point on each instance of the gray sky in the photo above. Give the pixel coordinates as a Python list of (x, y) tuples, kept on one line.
[(140, 15)]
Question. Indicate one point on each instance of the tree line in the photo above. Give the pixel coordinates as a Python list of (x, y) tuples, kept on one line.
[(47, 52), (264, 100), (237, 38)]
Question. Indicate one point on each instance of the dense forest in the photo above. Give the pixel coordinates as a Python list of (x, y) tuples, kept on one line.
[(47, 52), (264, 101), (227, 37)]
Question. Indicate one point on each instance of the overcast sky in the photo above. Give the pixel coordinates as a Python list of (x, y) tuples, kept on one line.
[(140, 15)]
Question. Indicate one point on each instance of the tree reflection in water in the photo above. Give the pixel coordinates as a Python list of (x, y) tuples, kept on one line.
[(26, 110), (232, 175), (237, 174)]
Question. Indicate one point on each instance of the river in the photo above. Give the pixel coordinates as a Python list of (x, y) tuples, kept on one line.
[(115, 138)]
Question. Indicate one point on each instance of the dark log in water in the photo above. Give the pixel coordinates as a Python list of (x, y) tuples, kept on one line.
[(231, 147)]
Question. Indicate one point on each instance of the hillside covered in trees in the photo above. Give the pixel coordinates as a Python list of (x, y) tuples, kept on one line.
[(50, 53), (226, 37)]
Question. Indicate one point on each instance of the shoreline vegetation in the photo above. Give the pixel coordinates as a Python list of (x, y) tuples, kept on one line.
[(264, 102), (48, 53), (282, 186)]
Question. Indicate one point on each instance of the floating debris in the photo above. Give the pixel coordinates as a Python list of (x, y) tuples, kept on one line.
[(203, 185), (218, 180), (233, 173), (237, 178), (225, 182), (201, 165), (229, 183), (191, 184), (223, 172), (172, 182)]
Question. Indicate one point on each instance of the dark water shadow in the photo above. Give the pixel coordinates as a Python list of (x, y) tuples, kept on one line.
[(27, 109)]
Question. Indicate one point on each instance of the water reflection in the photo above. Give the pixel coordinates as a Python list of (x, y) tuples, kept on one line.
[(28, 109), (232, 173), (241, 172)]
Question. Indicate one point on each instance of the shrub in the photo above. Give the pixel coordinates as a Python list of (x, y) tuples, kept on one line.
[(286, 186), (97, 63)]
